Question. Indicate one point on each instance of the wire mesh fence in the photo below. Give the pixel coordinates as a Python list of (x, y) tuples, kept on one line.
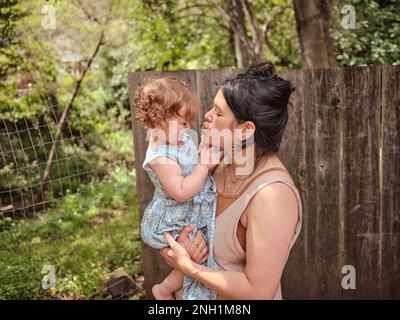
[(24, 153), (27, 197)]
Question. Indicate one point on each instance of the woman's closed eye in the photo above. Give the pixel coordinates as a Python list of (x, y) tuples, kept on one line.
[(217, 111)]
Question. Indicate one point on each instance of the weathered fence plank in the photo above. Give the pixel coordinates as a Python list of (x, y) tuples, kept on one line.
[(361, 100), (293, 154), (390, 202), (323, 188)]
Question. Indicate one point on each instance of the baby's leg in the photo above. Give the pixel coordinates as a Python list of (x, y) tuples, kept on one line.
[(173, 282)]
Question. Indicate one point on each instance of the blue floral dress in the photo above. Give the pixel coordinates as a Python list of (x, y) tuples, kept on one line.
[(165, 214)]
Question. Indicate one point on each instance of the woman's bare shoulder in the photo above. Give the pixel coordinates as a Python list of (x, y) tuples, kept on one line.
[(276, 201)]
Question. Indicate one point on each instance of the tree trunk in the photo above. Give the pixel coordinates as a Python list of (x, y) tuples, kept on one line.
[(241, 54), (312, 23), (239, 16)]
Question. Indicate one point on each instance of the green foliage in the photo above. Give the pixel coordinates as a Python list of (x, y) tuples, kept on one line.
[(97, 113), (84, 237), (375, 40), (10, 14), (282, 49)]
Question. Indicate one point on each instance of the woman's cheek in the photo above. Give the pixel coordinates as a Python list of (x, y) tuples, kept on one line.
[(218, 124)]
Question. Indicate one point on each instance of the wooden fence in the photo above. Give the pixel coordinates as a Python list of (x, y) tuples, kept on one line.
[(342, 147)]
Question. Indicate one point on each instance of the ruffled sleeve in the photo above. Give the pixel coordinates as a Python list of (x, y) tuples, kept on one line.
[(159, 151)]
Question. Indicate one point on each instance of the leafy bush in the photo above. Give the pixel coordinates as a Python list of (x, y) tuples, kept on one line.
[(84, 236)]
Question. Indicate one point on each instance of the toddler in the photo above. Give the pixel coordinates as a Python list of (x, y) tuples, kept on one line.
[(185, 192)]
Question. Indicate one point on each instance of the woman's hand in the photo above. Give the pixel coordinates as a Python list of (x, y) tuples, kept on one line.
[(176, 255), (197, 249)]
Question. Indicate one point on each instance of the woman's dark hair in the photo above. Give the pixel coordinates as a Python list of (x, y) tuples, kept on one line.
[(260, 96)]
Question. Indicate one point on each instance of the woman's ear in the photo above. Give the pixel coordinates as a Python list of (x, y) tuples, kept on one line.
[(250, 125), (248, 129)]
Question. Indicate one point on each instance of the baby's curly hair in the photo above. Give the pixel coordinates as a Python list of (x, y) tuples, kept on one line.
[(159, 99)]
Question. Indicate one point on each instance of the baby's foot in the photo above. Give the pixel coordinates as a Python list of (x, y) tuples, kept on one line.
[(161, 293)]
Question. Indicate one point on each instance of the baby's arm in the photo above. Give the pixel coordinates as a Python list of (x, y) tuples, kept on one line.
[(181, 188)]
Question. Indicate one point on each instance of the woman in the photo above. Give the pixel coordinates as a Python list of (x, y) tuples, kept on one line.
[(259, 214)]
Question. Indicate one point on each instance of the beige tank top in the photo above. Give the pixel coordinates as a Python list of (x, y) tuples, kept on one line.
[(228, 252)]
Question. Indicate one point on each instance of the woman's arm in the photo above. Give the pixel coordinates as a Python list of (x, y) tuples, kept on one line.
[(272, 216)]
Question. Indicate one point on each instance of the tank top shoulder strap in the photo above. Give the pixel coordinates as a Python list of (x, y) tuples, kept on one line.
[(249, 182)]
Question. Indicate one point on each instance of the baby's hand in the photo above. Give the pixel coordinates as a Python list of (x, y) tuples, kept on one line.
[(209, 155)]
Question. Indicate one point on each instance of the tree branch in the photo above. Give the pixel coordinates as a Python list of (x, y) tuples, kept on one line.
[(46, 175), (274, 50), (222, 12), (195, 15), (87, 13), (251, 20)]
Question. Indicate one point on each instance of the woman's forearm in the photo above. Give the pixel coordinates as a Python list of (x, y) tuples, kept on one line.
[(229, 284)]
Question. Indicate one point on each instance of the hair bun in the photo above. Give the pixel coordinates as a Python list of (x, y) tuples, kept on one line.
[(264, 69)]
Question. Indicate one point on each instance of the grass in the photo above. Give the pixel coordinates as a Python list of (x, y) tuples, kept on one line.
[(84, 237)]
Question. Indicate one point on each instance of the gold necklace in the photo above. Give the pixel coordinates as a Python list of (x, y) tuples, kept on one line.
[(240, 179), (230, 178)]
